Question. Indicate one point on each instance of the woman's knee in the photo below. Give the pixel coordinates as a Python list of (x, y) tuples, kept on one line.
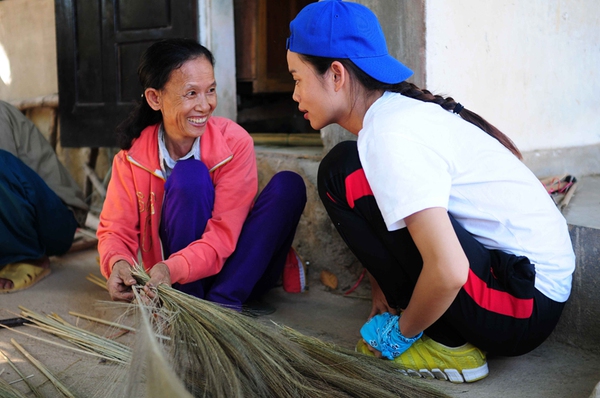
[(342, 158), (338, 164), (288, 187), (10, 165)]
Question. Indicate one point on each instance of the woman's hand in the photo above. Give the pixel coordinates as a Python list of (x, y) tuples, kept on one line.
[(383, 337), (120, 281), (379, 302), (158, 274)]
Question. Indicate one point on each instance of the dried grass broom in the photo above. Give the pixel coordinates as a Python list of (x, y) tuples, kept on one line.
[(218, 352), (150, 375)]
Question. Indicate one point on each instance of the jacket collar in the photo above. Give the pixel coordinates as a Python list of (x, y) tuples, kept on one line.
[(214, 148)]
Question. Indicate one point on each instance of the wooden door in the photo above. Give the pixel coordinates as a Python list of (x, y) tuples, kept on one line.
[(262, 27), (99, 43)]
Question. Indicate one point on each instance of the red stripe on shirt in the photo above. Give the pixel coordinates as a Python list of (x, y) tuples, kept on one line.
[(357, 186), (496, 300)]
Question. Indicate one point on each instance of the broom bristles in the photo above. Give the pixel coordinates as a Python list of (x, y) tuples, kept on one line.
[(219, 352), (152, 371)]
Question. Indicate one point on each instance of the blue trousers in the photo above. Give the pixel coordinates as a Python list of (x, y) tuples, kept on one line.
[(264, 242), (34, 222)]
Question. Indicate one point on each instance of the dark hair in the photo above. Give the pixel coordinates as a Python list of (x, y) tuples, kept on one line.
[(156, 65), (321, 64)]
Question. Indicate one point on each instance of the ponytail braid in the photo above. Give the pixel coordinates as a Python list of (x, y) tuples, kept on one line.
[(321, 64), (410, 90)]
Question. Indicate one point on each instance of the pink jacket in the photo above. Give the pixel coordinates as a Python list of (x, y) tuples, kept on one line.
[(130, 218)]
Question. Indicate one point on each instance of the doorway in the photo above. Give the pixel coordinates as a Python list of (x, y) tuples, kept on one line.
[(264, 85)]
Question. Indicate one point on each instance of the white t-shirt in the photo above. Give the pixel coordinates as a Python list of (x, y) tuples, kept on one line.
[(416, 155)]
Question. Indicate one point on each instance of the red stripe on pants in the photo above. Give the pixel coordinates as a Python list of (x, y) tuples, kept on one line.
[(496, 300), (357, 186)]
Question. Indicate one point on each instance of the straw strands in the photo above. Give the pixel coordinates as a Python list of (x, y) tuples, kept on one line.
[(8, 391), (186, 347), (218, 352), (155, 370), (92, 343), (96, 280), (31, 386), (59, 386)]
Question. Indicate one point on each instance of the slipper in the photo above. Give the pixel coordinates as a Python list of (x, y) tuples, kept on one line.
[(22, 275)]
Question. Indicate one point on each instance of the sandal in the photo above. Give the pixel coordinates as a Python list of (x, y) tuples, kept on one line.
[(22, 275)]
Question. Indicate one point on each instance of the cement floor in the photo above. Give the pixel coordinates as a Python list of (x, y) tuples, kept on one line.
[(552, 370)]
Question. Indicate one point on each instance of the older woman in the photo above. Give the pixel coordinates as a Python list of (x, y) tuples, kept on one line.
[(182, 191)]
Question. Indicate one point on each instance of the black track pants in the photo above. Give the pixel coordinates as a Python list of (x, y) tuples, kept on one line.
[(498, 309)]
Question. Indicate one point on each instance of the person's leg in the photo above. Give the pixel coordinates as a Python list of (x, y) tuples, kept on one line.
[(497, 310), (350, 204), (263, 244), (34, 222), (187, 207)]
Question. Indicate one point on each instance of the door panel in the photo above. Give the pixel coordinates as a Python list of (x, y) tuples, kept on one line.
[(99, 44)]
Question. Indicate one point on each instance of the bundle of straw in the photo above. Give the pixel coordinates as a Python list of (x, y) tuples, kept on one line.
[(218, 352), (105, 348)]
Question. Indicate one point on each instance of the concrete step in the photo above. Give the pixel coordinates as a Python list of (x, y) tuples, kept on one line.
[(580, 322)]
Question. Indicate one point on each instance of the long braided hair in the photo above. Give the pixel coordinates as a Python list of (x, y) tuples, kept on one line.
[(321, 64)]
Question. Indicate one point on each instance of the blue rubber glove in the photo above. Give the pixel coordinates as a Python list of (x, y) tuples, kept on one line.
[(382, 333)]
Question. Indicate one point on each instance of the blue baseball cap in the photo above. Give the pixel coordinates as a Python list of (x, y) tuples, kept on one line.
[(342, 29)]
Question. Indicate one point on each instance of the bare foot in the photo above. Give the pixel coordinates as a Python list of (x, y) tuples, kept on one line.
[(43, 262), (5, 284)]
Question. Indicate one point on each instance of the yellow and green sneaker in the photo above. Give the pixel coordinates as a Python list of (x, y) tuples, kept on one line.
[(429, 359)]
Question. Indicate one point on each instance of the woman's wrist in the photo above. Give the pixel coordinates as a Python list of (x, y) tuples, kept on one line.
[(402, 320), (120, 264), (405, 338)]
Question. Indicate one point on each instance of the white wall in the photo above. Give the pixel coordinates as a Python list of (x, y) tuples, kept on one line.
[(217, 33), (27, 49), (532, 68)]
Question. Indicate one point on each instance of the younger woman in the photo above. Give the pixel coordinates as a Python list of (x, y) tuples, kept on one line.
[(467, 252)]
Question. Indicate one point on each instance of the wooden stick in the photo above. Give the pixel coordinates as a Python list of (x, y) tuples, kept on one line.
[(31, 386), (102, 321), (568, 196), (62, 345), (46, 100), (97, 281), (59, 386), (91, 174), (20, 380)]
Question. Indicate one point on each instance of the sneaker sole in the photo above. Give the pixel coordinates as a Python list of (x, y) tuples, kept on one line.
[(451, 375)]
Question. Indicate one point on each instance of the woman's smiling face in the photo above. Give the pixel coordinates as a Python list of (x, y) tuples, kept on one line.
[(187, 100)]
